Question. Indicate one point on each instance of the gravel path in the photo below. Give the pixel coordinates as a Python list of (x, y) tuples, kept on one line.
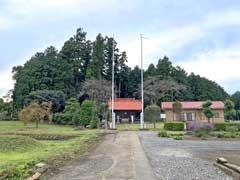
[(119, 157), (186, 160)]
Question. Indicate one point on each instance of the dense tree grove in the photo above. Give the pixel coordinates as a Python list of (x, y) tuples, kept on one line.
[(82, 68)]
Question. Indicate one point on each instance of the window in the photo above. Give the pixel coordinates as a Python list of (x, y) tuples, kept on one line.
[(216, 115)]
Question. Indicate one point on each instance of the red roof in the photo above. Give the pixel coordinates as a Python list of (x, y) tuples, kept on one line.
[(126, 104), (193, 105)]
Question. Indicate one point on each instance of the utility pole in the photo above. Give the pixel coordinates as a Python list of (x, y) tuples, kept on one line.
[(113, 114), (142, 114)]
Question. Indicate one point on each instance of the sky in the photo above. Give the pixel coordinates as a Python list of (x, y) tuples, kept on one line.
[(200, 36)]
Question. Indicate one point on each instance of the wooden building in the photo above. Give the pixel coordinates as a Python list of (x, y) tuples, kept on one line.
[(192, 111), (126, 109)]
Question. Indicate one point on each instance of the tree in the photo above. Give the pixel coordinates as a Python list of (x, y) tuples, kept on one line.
[(44, 71), (229, 110), (177, 109), (98, 90), (58, 98), (77, 52), (151, 71), (156, 90), (235, 98), (71, 112), (36, 112), (164, 68), (207, 110), (152, 113), (96, 65), (88, 114)]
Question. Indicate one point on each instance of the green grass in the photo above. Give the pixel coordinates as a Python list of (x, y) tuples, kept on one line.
[(20, 151), (18, 127), (136, 126)]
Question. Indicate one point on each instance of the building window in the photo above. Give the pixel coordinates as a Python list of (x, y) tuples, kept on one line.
[(216, 115)]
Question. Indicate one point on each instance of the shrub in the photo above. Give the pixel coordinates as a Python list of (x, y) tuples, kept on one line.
[(174, 126), (177, 137), (194, 126), (58, 118), (162, 133), (88, 113), (232, 129), (93, 123), (202, 132), (220, 126), (223, 126)]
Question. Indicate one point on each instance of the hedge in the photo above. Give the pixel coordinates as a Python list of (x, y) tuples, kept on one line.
[(174, 126), (223, 126)]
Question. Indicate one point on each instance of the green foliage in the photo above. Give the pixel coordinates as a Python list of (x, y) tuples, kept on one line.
[(12, 143), (76, 118), (152, 113), (177, 137), (202, 132), (236, 100), (174, 126), (223, 126), (58, 98), (207, 110), (229, 111), (88, 113), (71, 113), (232, 129), (163, 133), (80, 59), (94, 123)]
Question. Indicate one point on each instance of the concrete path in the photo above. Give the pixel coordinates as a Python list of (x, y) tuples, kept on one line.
[(119, 157)]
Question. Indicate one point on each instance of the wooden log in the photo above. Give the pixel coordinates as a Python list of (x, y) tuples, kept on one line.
[(35, 176)]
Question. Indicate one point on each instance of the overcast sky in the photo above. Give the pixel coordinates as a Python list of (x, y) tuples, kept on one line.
[(201, 36)]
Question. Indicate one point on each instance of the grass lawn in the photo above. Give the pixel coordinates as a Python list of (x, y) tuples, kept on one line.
[(136, 126), (18, 153)]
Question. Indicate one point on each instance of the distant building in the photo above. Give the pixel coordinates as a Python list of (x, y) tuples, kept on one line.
[(126, 109), (192, 111), (8, 97)]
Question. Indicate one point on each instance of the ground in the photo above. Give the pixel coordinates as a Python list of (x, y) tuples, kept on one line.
[(143, 155), (121, 155), (186, 159), (25, 146)]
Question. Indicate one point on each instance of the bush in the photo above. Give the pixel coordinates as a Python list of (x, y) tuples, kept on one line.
[(88, 113), (202, 132), (232, 129), (194, 126), (174, 126), (163, 134), (59, 118), (177, 137), (93, 123), (223, 126)]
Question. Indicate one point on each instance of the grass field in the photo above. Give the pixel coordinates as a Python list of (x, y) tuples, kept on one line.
[(19, 151)]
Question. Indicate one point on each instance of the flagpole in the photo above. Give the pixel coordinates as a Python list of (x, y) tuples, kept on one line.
[(142, 114), (113, 115)]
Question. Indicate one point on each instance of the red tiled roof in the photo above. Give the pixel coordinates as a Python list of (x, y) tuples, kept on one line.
[(193, 105), (126, 104)]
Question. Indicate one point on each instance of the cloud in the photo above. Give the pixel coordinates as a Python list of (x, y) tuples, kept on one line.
[(170, 41), (6, 82), (220, 65)]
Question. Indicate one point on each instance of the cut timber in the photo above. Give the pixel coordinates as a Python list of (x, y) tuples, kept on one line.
[(35, 176)]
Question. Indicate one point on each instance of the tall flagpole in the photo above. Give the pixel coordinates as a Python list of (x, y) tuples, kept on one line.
[(142, 114), (113, 114)]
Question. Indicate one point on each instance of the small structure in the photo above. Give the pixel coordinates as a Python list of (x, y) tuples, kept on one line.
[(126, 109), (192, 111)]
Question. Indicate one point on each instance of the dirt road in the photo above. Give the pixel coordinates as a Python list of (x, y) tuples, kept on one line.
[(119, 157)]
